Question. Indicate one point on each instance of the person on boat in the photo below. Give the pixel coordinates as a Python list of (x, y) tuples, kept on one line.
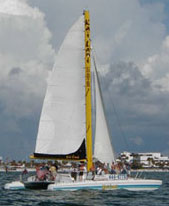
[(6, 168), (74, 174), (81, 168), (113, 171), (25, 171), (128, 169), (93, 170), (99, 170), (53, 172), (46, 167), (124, 170), (105, 169), (118, 168), (41, 173)]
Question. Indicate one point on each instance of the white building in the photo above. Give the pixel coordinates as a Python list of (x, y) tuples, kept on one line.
[(154, 156), (148, 159)]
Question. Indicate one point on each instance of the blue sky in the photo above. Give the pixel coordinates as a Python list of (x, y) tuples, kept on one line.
[(132, 45)]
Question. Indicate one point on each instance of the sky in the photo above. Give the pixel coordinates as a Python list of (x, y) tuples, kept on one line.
[(131, 42)]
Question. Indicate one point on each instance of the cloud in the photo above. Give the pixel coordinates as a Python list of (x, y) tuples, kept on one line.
[(26, 59), (26, 55), (156, 66), (18, 8), (129, 38), (15, 71), (134, 108), (128, 32)]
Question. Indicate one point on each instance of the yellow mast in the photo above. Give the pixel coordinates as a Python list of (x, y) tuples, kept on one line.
[(88, 91)]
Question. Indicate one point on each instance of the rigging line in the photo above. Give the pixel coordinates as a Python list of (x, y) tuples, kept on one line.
[(114, 109), (119, 124)]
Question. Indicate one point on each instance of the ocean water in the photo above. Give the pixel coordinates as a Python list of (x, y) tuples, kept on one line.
[(158, 197)]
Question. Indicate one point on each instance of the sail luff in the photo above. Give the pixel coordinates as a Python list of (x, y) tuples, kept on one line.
[(88, 90)]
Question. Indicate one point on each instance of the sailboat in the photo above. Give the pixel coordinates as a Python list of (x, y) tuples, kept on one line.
[(65, 128)]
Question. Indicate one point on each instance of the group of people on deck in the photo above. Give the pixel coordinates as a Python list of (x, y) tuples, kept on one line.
[(100, 169), (45, 172), (120, 168), (80, 170), (116, 168)]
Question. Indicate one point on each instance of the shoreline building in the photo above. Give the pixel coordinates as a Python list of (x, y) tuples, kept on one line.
[(146, 160)]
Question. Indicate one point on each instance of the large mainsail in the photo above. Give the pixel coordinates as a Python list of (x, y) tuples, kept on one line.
[(62, 128), (103, 149)]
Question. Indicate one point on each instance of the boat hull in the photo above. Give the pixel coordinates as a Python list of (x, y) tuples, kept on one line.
[(16, 185), (37, 185), (128, 184)]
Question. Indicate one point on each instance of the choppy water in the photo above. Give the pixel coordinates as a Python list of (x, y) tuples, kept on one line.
[(100, 198)]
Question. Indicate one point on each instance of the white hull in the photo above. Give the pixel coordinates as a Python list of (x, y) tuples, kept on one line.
[(64, 182), (128, 184), (16, 185)]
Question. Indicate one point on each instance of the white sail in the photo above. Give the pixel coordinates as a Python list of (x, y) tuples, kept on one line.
[(103, 149), (62, 123)]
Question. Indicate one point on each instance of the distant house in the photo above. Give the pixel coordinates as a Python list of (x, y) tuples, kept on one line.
[(147, 160)]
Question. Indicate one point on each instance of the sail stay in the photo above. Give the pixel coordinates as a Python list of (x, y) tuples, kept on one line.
[(62, 128), (103, 149)]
